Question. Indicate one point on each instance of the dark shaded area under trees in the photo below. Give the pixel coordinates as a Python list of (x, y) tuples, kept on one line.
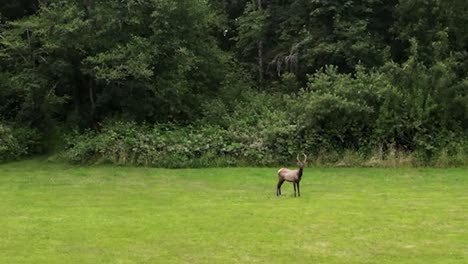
[(188, 83)]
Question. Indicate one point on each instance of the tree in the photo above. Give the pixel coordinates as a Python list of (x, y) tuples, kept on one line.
[(147, 60)]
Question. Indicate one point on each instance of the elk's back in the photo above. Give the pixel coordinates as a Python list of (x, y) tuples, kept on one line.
[(287, 174)]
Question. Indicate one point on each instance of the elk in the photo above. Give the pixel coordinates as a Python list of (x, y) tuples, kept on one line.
[(293, 176)]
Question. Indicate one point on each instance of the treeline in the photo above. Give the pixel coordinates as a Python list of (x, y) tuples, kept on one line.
[(239, 82)]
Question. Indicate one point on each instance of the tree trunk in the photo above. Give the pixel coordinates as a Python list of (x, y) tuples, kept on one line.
[(91, 96), (260, 60), (260, 49), (89, 4)]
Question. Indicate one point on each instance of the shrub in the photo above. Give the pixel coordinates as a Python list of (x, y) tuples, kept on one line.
[(369, 118), (18, 141), (127, 143)]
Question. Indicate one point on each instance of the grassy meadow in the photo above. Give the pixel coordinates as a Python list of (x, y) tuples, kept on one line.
[(57, 213)]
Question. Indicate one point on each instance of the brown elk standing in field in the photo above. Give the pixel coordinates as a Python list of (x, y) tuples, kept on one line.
[(293, 176)]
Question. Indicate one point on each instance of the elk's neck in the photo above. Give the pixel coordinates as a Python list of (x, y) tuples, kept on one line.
[(300, 172)]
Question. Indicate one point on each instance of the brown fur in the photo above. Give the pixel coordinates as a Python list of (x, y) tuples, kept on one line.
[(294, 176)]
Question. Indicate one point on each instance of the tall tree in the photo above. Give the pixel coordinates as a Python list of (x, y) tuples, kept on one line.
[(252, 33), (148, 60)]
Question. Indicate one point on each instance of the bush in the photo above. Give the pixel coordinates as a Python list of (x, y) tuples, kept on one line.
[(127, 143), (18, 141), (369, 118)]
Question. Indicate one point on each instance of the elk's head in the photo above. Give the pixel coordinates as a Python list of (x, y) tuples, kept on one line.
[(302, 163)]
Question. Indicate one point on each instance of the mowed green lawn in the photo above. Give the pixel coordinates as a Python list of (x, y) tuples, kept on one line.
[(55, 213)]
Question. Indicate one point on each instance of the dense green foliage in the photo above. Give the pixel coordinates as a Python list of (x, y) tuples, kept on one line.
[(18, 141), (266, 78), (57, 213)]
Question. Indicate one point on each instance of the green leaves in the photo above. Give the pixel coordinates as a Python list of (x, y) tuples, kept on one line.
[(334, 75), (134, 60), (148, 60), (251, 27), (17, 141)]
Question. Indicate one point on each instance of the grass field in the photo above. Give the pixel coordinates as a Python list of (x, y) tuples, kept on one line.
[(55, 213)]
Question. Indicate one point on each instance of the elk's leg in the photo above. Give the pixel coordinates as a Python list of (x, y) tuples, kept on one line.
[(294, 184), (278, 187), (298, 191)]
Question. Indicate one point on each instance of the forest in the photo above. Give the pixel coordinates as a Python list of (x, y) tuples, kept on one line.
[(199, 83)]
